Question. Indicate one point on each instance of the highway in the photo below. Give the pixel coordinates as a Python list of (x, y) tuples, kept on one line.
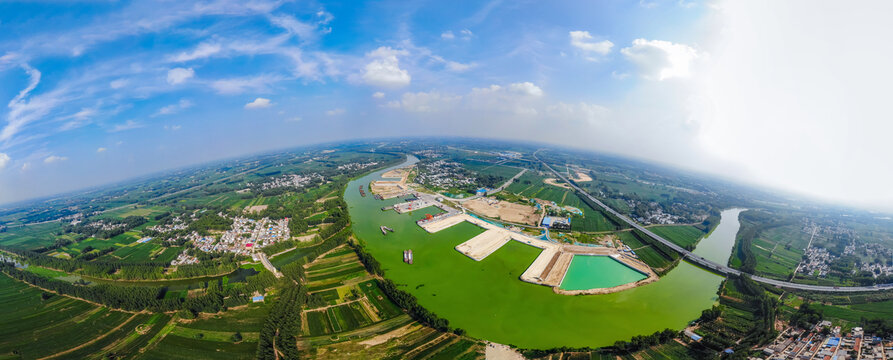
[(698, 260)]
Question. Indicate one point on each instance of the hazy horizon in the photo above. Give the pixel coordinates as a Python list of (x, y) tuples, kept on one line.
[(99, 93)]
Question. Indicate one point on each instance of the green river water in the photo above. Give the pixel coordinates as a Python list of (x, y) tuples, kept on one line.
[(489, 301)]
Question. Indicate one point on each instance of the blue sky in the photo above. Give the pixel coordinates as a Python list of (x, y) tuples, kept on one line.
[(100, 91)]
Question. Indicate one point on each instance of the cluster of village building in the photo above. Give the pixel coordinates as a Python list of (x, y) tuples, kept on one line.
[(817, 344), (103, 225), (444, 174), (357, 166), (651, 213), (291, 180), (244, 236), (883, 260), (427, 154), (176, 224), (817, 261)]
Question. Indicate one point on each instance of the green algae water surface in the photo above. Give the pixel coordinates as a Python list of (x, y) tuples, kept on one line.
[(489, 301), (591, 272)]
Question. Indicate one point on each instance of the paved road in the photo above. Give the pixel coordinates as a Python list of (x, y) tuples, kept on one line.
[(721, 269)]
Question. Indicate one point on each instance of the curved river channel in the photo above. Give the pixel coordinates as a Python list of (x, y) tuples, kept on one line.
[(489, 301)]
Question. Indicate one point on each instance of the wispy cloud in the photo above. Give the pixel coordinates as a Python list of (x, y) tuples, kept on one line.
[(174, 108), (259, 83), (335, 112), (127, 125)]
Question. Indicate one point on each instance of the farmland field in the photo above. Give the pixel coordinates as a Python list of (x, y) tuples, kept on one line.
[(61, 323), (683, 235)]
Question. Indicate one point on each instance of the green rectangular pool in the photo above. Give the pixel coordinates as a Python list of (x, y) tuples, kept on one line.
[(595, 272)]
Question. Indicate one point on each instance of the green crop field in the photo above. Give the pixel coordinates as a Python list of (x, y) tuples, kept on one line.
[(683, 236), (31, 236), (178, 347), (854, 313), (778, 250), (247, 319), (61, 323)]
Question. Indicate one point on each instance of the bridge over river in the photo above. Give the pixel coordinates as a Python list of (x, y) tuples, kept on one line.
[(701, 261)]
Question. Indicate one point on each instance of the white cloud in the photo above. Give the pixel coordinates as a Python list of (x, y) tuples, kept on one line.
[(26, 166), (447, 35), (258, 103), (384, 69), (335, 112), (179, 75), (118, 83), (466, 33), (101, 150), (174, 108), (661, 60), (4, 160), (585, 42), (54, 159), (425, 102), (172, 127), (378, 95), (127, 125), (201, 51), (294, 119)]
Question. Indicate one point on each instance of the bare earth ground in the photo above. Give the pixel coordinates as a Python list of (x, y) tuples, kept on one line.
[(501, 352), (389, 189), (255, 208), (503, 210), (554, 182), (581, 176)]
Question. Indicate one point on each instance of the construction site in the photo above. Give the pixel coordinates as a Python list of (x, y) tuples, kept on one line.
[(551, 266), (387, 189), (504, 210)]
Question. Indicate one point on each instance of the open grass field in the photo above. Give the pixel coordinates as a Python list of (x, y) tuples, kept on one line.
[(673, 301), (32, 327)]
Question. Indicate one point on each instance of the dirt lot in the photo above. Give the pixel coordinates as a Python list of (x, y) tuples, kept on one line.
[(582, 176), (389, 189), (504, 210), (554, 182), (396, 173), (255, 208)]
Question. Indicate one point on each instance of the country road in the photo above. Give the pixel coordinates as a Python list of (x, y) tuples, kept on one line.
[(698, 260)]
